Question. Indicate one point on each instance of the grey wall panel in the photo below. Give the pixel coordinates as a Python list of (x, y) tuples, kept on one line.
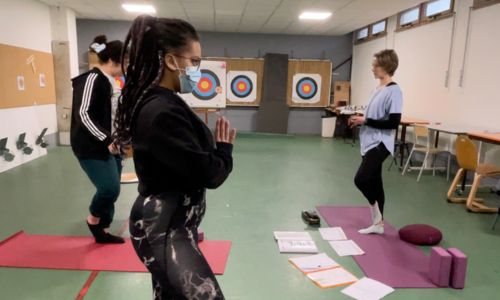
[(273, 109)]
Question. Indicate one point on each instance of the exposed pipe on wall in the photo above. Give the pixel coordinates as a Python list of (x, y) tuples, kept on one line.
[(466, 48), (452, 43)]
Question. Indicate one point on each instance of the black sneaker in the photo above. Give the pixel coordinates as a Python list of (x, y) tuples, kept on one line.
[(311, 218), (110, 239), (103, 237)]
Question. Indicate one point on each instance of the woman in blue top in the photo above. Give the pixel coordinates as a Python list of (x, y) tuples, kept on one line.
[(377, 135)]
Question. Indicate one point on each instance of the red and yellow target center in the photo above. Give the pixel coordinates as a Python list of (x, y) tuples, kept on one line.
[(241, 86), (204, 85), (306, 88)]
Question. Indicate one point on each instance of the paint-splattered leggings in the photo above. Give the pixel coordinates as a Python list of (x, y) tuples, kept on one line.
[(163, 230)]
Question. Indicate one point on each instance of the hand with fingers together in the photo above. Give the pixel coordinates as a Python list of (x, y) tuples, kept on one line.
[(355, 121), (114, 148), (223, 133)]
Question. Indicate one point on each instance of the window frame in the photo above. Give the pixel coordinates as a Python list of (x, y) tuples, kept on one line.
[(414, 23), (359, 30), (371, 36), (380, 32), (423, 19), (437, 16), (484, 3)]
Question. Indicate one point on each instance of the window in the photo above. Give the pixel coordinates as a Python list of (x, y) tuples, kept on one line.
[(484, 3), (437, 7), (425, 13), (378, 27), (371, 32), (409, 17), (362, 34)]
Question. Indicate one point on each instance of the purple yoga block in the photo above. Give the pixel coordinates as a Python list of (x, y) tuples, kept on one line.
[(458, 268), (440, 267)]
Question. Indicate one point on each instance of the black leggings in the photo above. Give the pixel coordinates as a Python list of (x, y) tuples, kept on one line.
[(164, 233), (369, 176)]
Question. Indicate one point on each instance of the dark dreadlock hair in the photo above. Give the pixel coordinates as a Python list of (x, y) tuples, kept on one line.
[(147, 42)]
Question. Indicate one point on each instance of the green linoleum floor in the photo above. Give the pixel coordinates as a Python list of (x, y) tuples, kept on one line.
[(275, 177)]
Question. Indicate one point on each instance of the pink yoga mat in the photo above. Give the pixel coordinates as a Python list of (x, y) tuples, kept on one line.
[(82, 253), (387, 258)]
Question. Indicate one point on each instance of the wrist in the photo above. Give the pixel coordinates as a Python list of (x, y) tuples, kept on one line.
[(225, 147)]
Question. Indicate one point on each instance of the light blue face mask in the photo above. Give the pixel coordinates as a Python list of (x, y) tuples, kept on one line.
[(190, 79)]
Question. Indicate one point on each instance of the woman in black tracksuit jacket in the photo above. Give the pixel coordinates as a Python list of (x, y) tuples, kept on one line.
[(91, 139)]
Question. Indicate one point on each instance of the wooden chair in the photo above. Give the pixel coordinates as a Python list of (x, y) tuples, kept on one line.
[(467, 157), (421, 133)]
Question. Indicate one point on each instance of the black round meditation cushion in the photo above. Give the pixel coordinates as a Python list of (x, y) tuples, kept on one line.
[(421, 234)]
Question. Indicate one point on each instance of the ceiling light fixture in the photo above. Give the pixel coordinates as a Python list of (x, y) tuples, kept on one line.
[(139, 8), (309, 15)]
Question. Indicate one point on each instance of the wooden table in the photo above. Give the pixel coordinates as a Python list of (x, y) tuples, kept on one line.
[(486, 137), (456, 129), (405, 122)]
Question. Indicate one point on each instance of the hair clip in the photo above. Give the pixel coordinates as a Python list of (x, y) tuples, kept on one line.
[(98, 47)]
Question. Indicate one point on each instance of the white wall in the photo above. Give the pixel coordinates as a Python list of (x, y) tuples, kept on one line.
[(424, 54), (25, 23)]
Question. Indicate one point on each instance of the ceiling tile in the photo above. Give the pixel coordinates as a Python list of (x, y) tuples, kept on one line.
[(268, 16)]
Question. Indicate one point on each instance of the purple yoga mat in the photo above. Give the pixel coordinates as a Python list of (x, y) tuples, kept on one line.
[(387, 258)]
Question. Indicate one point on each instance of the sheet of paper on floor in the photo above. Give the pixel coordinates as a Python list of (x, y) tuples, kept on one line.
[(367, 289), (346, 248), (332, 234), (313, 263), (332, 277), (292, 235), (286, 246)]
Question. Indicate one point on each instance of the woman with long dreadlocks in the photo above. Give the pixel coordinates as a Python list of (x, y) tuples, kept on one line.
[(175, 156)]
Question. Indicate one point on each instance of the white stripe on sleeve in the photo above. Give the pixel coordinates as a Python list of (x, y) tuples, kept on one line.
[(87, 95)]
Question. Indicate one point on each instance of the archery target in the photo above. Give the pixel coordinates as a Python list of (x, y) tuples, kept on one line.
[(306, 88), (207, 86), (120, 81), (211, 89), (242, 86)]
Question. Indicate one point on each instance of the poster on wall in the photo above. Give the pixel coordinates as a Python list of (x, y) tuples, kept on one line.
[(41, 80), (211, 89), (242, 86), (306, 88), (20, 83)]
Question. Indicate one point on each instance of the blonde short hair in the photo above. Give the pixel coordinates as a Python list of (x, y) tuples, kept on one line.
[(388, 60)]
